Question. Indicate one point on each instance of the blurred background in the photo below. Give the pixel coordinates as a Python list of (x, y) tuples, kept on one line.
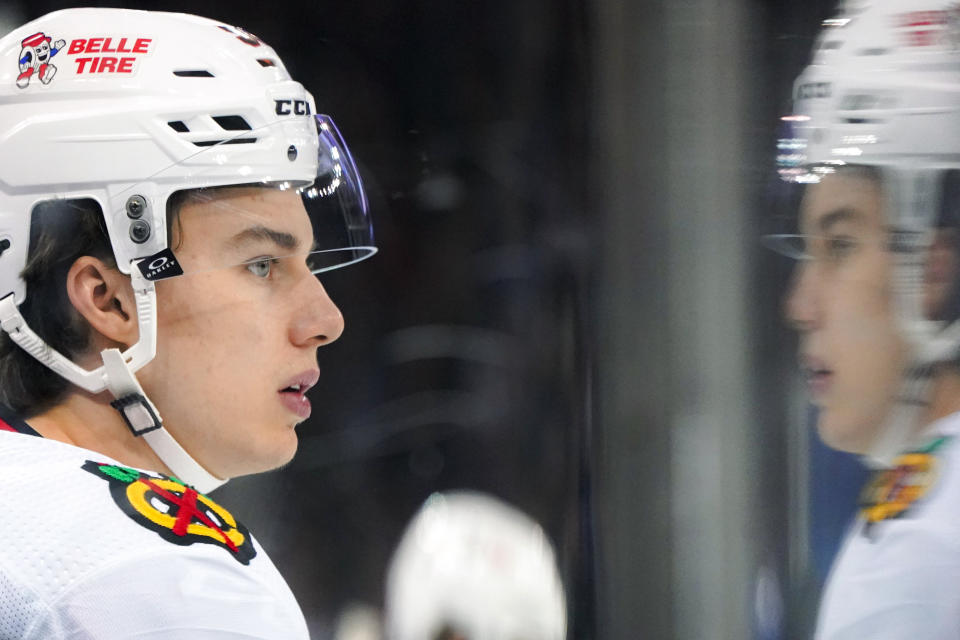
[(570, 310)]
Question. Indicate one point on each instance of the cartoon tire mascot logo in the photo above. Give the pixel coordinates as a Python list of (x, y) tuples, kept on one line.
[(173, 510), (35, 59)]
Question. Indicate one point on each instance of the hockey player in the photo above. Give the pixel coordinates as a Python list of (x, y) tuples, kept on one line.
[(165, 203), (470, 567), (875, 301)]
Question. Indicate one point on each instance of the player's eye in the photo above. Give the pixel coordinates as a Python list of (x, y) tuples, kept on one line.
[(840, 246), (261, 267)]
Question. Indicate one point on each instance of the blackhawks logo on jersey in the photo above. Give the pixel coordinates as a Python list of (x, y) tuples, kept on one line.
[(175, 511), (891, 493)]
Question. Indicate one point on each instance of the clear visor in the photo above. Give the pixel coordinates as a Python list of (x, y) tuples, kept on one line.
[(319, 222), (842, 208), (823, 248), (791, 245)]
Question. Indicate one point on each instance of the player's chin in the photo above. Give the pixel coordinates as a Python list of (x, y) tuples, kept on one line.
[(287, 447), (275, 451), (841, 431)]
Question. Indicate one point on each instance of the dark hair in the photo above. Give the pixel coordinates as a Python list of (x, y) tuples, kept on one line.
[(60, 232)]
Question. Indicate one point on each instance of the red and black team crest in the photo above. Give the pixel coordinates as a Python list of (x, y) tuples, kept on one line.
[(892, 493), (175, 511)]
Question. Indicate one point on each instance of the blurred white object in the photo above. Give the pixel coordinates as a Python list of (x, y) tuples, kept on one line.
[(358, 622), (473, 565)]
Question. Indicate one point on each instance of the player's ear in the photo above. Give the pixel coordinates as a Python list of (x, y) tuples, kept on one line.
[(104, 297)]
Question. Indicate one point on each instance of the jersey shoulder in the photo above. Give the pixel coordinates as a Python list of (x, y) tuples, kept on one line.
[(920, 491), (941, 507), (895, 574), (77, 503), (77, 522)]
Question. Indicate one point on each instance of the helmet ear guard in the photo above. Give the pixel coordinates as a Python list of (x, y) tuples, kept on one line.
[(99, 379)]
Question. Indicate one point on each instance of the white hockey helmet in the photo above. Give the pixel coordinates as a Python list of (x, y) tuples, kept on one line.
[(473, 565), (127, 108), (883, 91)]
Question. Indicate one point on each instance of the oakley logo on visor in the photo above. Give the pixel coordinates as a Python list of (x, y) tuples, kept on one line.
[(160, 265)]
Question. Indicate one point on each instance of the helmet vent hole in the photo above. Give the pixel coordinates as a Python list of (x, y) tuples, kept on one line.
[(874, 52), (267, 62), (179, 126), (210, 143), (193, 73), (232, 123)]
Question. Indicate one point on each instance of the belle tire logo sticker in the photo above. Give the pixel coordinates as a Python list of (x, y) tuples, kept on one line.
[(89, 63), (94, 55), (173, 510)]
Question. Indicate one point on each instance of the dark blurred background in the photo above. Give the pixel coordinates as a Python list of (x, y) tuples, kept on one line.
[(570, 308)]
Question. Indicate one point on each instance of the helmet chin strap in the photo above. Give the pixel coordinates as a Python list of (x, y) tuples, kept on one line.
[(902, 424), (928, 342), (117, 376)]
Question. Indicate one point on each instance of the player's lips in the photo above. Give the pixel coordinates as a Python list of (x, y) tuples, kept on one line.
[(819, 376), (292, 395)]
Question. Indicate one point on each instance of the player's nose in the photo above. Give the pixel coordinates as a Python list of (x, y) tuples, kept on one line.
[(317, 320), (800, 305)]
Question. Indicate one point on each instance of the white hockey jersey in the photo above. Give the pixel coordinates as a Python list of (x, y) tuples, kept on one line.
[(91, 549), (898, 572)]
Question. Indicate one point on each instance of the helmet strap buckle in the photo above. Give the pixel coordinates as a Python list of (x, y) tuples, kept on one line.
[(137, 413)]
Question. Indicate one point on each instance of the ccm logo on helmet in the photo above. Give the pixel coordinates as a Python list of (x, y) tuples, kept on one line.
[(813, 90), (292, 107)]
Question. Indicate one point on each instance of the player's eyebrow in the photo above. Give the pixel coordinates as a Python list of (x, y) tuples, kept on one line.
[(835, 217), (282, 239)]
